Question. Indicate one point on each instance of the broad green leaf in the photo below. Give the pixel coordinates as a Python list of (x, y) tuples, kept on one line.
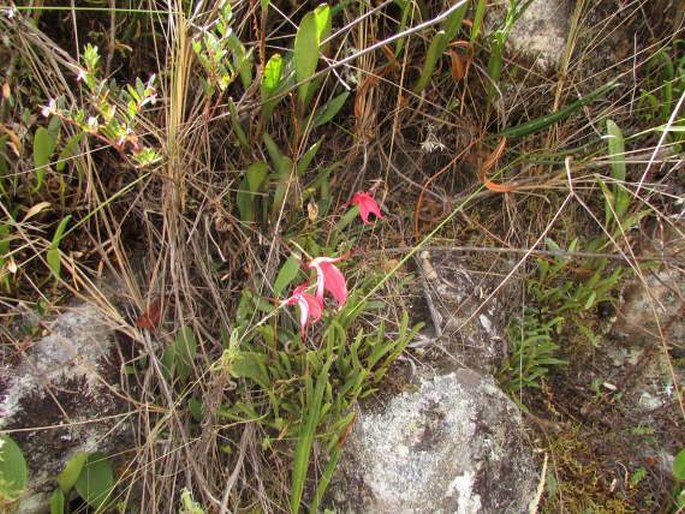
[(43, 148), (57, 502), (616, 150), (255, 175), (53, 255), (434, 53), (237, 126), (245, 201), (250, 365), (322, 15), (195, 409), (13, 471), (186, 351), (54, 126), (679, 465), (306, 57), (286, 274), (275, 154), (282, 186), (616, 146), (68, 151), (328, 111), (67, 478), (306, 159), (272, 76), (57, 237), (96, 481), (54, 261)]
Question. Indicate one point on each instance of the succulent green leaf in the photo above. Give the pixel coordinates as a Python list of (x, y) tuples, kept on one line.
[(96, 481), (679, 465), (67, 478), (13, 470), (57, 502)]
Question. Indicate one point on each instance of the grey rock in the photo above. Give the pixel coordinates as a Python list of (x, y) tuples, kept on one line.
[(455, 445), (62, 398)]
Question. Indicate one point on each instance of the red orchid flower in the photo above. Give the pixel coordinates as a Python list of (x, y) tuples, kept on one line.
[(367, 205), (330, 278), (310, 307)]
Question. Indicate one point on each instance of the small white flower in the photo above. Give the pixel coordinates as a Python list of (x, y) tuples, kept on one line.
[(432, 143), (92, 123), (10, 12), (81, 75), (49, 109)]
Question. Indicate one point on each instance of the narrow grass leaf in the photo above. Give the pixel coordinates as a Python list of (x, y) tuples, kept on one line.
[(530, 127), (306, 435), (432, 56), (453, 23), (478, 17)]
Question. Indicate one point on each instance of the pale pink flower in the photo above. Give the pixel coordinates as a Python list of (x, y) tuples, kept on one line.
[(329, 278), (310, 307), (367, 205)]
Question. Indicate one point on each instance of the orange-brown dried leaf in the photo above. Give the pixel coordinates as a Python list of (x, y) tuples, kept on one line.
[(150, 319)]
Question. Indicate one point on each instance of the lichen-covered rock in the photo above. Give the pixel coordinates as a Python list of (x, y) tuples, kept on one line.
[(541, 32), (455, 445), (62, 398)]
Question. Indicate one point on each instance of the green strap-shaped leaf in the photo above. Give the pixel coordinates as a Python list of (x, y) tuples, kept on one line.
[(328, 111), (432, 56), (43, 148), (286, 274), (306, 56)]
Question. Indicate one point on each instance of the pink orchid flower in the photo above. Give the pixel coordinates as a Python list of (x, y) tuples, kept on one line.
[(330, 278), (367, 205), (310, 307)]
